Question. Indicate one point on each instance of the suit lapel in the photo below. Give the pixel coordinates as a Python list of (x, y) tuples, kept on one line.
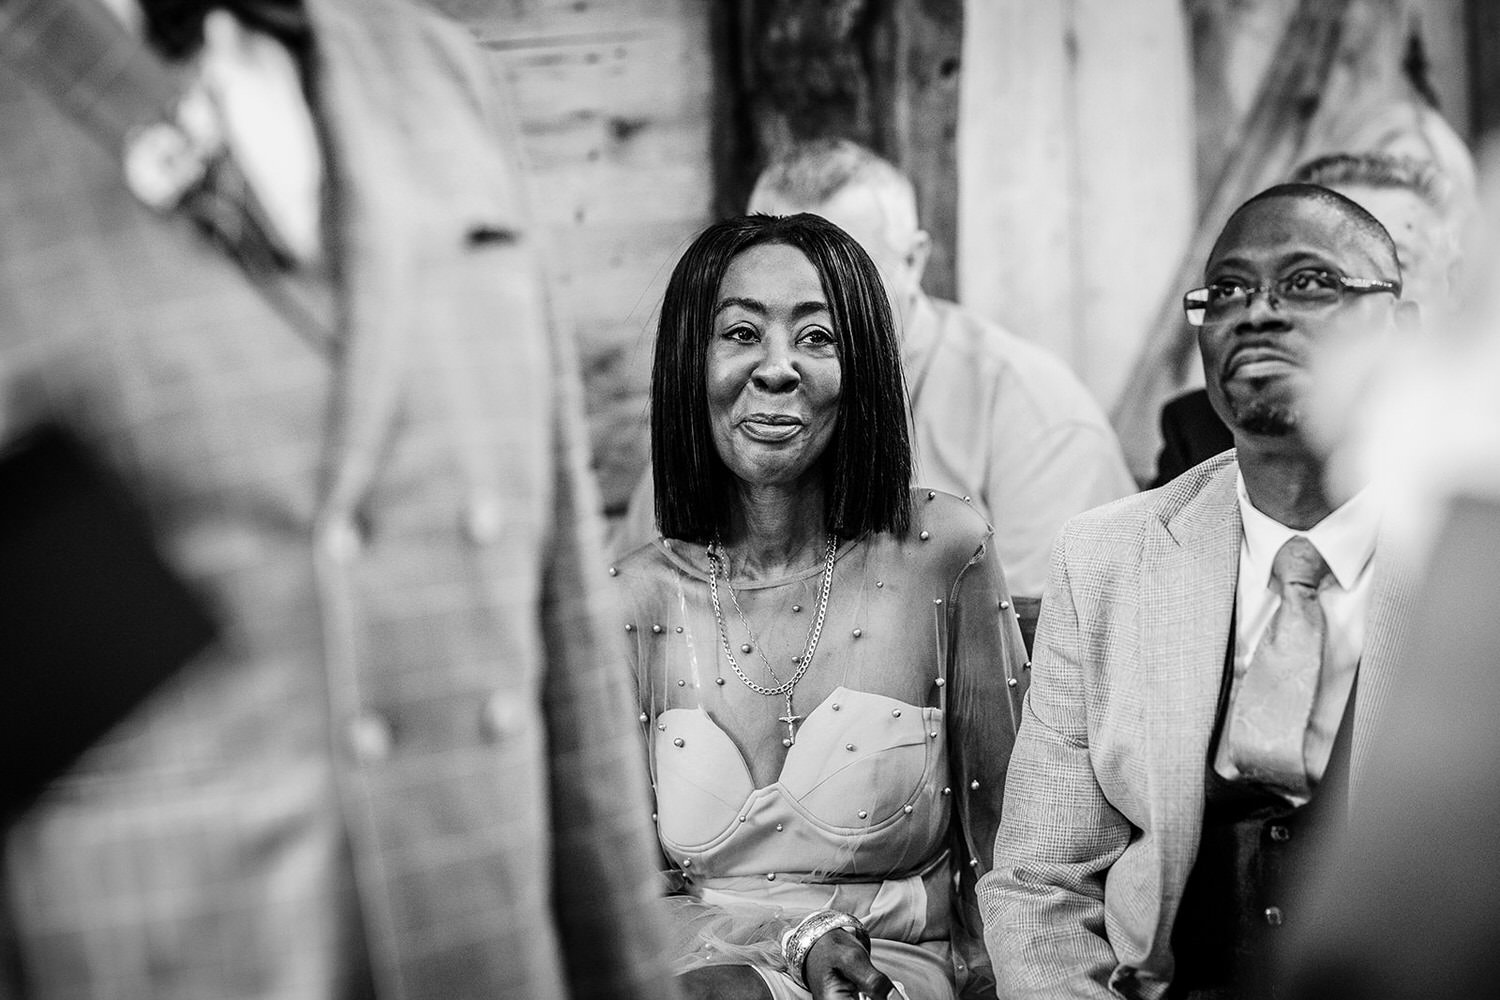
[(1190, 565), (372, 244), (1387, 623)]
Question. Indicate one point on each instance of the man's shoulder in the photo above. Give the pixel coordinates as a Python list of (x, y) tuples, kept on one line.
[(1189, 406), (984, 339), (1210, 482), (1031, 374), (396, 39)]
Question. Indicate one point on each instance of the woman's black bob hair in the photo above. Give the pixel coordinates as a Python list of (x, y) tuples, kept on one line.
[(867, 467)]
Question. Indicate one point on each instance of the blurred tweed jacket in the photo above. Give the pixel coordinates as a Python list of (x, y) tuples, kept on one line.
[(405, 770), (1105, 795)]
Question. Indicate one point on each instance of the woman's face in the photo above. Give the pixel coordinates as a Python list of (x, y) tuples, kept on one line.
[(773, 367)]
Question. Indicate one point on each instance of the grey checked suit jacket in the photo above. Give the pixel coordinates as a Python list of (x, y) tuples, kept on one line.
[(1105, 795), (407, 769)]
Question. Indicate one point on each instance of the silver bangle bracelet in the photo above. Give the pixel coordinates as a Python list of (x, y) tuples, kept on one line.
[(798, 942)]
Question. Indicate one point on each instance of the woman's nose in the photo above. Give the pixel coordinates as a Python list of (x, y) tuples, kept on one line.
[(776, 372)]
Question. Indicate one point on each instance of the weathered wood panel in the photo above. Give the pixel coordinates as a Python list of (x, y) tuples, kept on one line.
[(613, 99), (1017, 165), (1444, 47), (884, 74), (1076, 171)]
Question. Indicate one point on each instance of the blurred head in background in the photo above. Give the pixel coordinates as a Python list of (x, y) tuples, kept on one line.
[(863, 195), (1430, 215), (1415, 204)]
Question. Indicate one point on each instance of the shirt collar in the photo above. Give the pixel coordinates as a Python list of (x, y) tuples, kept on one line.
[(919, 332), (919, 341), (1345, 538)]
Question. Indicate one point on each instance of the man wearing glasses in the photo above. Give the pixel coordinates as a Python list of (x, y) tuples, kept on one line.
[(1211, 653)]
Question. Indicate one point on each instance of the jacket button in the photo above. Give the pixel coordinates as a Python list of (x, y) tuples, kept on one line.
[(1280, 834), (370, 738), (482, 520), (341, 541), (502, 716), (1273, 916)]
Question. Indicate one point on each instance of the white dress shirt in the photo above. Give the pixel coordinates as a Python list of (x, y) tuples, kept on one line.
[(254, 88), (1346, 541)]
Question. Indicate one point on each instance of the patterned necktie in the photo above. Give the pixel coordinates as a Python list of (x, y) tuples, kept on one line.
[(1274, 701)]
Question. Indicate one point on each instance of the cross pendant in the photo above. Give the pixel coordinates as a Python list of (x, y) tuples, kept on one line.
[(791, 721)]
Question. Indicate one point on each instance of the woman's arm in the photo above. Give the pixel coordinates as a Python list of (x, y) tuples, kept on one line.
[(987, 675)]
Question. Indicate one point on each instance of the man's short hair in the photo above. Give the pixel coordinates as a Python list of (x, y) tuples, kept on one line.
[(811, 173), (867, 467), (1378, 170), (1354, 213)]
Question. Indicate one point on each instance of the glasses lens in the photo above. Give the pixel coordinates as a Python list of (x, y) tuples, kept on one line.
[(1194, 306), (1222, 299), (1309, 287)]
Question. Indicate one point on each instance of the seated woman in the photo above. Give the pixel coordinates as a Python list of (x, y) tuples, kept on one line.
[(830, 671)]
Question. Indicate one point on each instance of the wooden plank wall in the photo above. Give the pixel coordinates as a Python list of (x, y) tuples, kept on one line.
[(883, 73), (613, 99), (1076, 187)]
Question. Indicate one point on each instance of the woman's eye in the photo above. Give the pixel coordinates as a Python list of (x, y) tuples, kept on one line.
[(816, 336), (741, 334)]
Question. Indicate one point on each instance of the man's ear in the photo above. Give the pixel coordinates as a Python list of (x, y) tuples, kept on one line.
[(919, 252), (1408, 316)]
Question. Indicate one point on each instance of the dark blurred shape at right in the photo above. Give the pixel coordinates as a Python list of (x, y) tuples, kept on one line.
[(1411, 907)]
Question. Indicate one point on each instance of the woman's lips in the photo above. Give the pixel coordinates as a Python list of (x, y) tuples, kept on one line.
[(771, 427)]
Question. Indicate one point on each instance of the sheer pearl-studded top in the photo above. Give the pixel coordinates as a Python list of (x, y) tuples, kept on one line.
[(904, 719)]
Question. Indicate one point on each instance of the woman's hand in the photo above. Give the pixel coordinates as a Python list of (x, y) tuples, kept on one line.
[(838, 968)]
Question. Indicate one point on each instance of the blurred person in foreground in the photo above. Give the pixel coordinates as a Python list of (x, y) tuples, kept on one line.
[(1212, 654), (1411, 904), (1426, 214), (268, 261), (830, 674), (994, 418)]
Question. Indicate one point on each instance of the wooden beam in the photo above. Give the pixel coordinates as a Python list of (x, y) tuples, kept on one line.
[(1077, 191), (883, 73), (1017, 259), (1483, 21)]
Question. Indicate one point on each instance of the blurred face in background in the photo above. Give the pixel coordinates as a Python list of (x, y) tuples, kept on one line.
[(899, 252), (1424, 245)]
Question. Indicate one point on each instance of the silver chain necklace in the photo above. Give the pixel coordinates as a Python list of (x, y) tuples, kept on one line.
[(786, 688), (755, 643)]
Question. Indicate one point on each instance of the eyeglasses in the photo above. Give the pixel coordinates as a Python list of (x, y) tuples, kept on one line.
[(1305, 289)]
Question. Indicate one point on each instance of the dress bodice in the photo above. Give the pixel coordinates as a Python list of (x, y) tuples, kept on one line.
[(907, 716), (860, 792)]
